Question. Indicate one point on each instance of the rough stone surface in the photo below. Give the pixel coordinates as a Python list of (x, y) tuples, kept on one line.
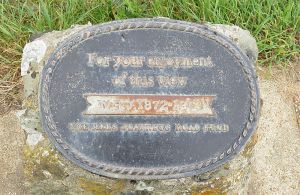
[(241, 37), (31, 66), (29, 126), (53, 174), (47, 172), (32, 52)]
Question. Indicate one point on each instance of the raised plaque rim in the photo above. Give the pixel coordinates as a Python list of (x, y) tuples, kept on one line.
[(147, 173)]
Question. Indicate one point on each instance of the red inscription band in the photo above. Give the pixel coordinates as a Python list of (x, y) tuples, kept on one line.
[(126, 104)]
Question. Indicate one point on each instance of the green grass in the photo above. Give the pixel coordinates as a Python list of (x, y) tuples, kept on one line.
[(274, 24)]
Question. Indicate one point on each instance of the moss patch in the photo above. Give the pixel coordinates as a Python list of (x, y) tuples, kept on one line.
[(248, 150), (42, 162), (210, 192), (99, 188)]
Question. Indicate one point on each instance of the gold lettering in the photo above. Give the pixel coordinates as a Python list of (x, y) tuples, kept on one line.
[(171, 81), (179, 62), (216, 128), (81, 126), (95, 59), (91, 57), (145, 127), (137, 80)]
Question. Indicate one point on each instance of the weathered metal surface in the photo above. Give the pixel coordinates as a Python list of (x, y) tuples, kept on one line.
[(148, 99)]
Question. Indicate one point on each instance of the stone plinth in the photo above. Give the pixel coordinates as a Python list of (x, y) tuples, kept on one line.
[(48, 172)]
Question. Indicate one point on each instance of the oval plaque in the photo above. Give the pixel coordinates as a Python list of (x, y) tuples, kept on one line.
[(148, 99)]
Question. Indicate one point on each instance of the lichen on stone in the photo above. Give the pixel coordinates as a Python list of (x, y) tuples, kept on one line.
[(36, 164), (101, 188)]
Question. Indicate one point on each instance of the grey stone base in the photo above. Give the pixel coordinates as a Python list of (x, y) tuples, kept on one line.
[(47, 172)]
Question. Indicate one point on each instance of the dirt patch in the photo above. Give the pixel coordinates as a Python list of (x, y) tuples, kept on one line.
[(276, 156), (11, 146), (276, 168), (289, 85)]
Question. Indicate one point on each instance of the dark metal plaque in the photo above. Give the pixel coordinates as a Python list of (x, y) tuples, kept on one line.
[(148, 99)]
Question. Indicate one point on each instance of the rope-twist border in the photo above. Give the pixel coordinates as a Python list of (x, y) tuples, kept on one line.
[(146, 173)]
